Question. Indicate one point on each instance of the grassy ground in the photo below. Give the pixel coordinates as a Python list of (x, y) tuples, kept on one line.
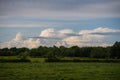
[(59, 71), (37, 69)]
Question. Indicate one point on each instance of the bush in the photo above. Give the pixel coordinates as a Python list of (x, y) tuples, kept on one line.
[(24, 57), (14, 60), (52, 59)]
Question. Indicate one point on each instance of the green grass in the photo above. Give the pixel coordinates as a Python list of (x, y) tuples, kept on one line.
[(65, 59), (59, 71), (10, 58), (37, 69)]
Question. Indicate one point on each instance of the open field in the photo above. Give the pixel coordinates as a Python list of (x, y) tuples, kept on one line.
[(59, 71)]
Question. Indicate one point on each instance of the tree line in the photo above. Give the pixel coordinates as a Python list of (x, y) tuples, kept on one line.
[(74, 51)]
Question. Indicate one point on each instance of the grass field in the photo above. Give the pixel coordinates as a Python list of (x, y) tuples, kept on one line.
[(59, 71)]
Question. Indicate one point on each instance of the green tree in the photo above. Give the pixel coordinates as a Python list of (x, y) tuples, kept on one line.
[(21, 50), (99, 52), (73, 51), (52, 56), (24, 55), (115, 50), (85, 51), (62, 51), (5, 52), (35, 52), (13, 51)]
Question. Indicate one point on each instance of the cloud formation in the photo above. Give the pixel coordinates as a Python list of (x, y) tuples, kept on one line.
[(51, 37), (19, 42)]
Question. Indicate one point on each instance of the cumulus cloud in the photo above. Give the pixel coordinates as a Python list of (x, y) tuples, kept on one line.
[(93, 37), (83, 41), (99, 33), (57, 33), (99, 30), (51, 37), (48, 33), (18, 37), (66, 31), (19, 42)]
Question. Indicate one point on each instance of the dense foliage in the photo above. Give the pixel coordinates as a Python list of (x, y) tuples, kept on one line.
[(74, 51)]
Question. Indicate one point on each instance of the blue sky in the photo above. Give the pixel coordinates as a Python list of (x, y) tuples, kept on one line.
[(40, 15)]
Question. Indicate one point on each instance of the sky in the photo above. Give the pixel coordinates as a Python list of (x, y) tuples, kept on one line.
[(33, 23)]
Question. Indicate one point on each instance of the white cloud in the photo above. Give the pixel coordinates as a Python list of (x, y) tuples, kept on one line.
[(85, 41), (48, 33), (98, 30), (91, 37), (57, 33), (19, 42), (83, 38), (66, 31), (18, 37)]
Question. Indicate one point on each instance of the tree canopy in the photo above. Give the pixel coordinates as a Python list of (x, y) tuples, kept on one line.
[(74, 51)]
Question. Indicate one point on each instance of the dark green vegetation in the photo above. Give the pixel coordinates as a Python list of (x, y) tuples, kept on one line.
[(58, 54), (74, 63), (74, 51), (6, 59), (59, 71)]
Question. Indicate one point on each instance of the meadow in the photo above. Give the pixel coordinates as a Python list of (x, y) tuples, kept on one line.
[(40, 70)]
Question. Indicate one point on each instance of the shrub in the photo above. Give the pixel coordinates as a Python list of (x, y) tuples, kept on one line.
[(52, 59), (24, 57)]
